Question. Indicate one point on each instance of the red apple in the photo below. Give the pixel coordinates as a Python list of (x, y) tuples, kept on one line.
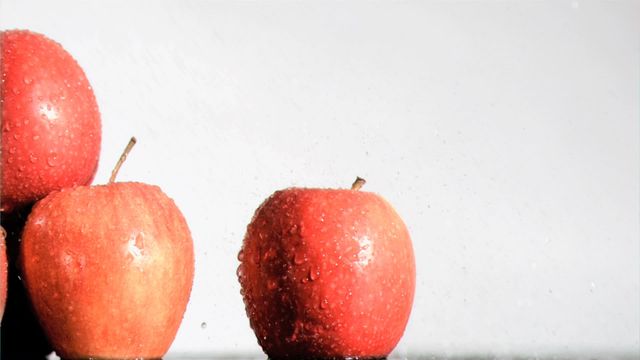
[(109, 270), (327, 273), (50, 120)]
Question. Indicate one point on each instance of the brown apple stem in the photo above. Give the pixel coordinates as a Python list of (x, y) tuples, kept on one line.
[(123, 157), (358, 183)]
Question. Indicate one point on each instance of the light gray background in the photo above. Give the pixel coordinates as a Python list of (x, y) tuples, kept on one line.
[(506, 134)]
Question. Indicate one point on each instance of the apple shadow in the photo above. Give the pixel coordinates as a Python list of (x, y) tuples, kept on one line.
[(21, 336)]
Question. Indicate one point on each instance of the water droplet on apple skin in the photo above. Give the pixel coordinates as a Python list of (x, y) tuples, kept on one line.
[(240, 272), (314, 274), (255, 258), (269, 255), (299, 257), (52, 159), (324, 304), (272, 284)]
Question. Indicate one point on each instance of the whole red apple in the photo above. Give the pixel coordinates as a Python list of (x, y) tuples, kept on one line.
[(108, 269), (50, 120), (327, 273)]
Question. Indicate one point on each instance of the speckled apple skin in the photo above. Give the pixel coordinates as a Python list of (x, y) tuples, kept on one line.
[(327, 274), (109, 270), (51, 129)]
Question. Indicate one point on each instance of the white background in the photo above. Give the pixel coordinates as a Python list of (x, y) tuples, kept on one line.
[(506, 134)]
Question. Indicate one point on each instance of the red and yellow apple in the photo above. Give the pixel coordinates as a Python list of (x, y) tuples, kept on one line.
[(327, 273), (51, 129), (108, 269)]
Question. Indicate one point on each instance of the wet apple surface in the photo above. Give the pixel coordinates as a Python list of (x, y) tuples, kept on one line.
[(108, 269), (51, 127), (327, 274)]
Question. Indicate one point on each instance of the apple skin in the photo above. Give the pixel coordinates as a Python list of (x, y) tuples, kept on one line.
[(51, 128), (327, 273), (109, 270)]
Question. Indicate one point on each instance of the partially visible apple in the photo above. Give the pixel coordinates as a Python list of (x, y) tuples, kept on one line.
[(327, 273), (109, 270), (50, 121)]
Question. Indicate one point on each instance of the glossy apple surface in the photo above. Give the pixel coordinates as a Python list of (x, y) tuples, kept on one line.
[(50, 121), (327, 274), (109, 270)]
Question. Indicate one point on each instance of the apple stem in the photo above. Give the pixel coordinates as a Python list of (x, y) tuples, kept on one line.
[(358, 183), (123, 157)]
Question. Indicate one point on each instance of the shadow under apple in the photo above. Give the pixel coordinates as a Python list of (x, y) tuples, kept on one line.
[(21, 336)]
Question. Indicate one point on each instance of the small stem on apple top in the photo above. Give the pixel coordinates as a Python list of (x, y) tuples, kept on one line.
[(358, 183), (123, 157)]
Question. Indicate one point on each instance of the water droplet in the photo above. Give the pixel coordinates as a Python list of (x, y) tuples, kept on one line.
[(299, 257), (293, 230), (269, 254), (33, 158), (12, 150), (272, 284), (324, 304), (203, 325), (255, 258), (240, 271), (15, 91), (241, 255), (53, 160), (27, 80), (314, 274), (302, 229)]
